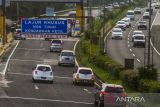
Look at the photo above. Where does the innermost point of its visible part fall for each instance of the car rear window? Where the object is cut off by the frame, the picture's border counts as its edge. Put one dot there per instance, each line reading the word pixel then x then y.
pixel 84 71
pixel 44 68
pixel 114 89
pixel 139 37
pixel 56 41
pixel 67 54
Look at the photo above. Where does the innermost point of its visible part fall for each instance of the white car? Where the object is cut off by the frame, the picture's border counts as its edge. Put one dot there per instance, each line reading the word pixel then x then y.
pixel 66 57
pixel 139 40
pixel 42 72
pixel 146 15
pixel 137 10
pixel 135 33
pixel 83 75
pixel 131 14
pixel 117 33
pixel 121 24
pixel 56 45
pixel 127 21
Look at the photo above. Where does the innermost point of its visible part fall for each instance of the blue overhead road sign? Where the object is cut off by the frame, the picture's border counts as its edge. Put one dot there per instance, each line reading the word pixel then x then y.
pixel 46 26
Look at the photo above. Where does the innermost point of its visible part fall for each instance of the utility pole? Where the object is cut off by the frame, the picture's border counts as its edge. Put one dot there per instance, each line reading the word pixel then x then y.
pixel 4 22
pixel 17 11
pixel 148 59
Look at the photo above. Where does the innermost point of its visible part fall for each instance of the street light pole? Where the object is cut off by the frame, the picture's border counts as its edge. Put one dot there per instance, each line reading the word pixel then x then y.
pixel 4 22
pixel 149 36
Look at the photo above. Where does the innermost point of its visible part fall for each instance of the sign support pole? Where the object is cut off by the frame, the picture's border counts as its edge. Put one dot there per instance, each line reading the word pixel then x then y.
pixel 4 22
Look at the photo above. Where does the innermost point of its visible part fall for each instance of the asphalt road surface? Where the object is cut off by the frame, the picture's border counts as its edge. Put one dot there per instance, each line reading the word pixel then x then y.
pixel 18 90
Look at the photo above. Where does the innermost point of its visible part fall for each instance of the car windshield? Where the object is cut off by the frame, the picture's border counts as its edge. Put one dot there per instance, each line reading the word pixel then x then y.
pixel 142 22
pixel 117 30
pixel 130 13
pixel 43 68
pixel 139 37
pixel 84 71
pixel 114 90
pixel 121 23
pixel 67 54
pixel 56 41
pixel 137 33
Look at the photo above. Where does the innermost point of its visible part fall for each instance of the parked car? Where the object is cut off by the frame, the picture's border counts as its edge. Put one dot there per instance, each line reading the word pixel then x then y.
pixel 131 14
pixel 146 15
pixel 107 95
pixel 117 33
pixel 127 21
pixel 121 24
pixel 135 33
pixel 18 35
pixel 56 45
pixel 83 75
pixel 42 72
pixel 142 25
pixel 139 40
pixel 66 57
pixel 137 10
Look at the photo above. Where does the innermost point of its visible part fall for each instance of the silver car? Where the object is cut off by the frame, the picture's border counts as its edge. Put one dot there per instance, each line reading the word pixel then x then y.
pixel 66 58
pixel 83 75
pixel 42 72
pixel 56 45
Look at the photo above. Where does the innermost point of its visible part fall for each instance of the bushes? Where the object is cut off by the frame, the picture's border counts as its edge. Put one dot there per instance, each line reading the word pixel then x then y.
pixel 144 73
pixel 130 78
pixel 151 86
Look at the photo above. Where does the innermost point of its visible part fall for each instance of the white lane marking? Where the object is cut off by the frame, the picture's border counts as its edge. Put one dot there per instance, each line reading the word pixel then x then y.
pixel 25 60
pixel 28 49
pixel 133 54
pixel 74 50
pixel 36 87
pixel 151 40
pixel 48 100
pixel 130 50
pixel 128 45
pixel 85 89
pixel 24 74
pixel 5 69
pixel 128 38
pixel 138 60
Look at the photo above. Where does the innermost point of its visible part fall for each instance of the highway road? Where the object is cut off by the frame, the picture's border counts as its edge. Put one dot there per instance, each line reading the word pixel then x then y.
pixel 118 50
pixel 17 89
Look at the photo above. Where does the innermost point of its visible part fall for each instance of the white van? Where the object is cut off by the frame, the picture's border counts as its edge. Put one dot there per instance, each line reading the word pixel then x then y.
pixel 130 14
pixel 127 21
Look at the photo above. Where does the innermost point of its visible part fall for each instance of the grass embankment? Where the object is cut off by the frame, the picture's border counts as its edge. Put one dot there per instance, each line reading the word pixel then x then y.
pixel 4 47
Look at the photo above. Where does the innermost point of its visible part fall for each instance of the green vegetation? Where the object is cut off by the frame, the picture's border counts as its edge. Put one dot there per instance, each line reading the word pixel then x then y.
pixel 88 52
pixel 32 9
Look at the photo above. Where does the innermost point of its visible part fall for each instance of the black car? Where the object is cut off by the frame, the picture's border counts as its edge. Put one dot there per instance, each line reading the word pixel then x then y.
pixel 142 25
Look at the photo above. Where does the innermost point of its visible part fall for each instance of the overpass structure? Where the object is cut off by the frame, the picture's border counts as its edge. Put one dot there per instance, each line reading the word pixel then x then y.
pixel 79 12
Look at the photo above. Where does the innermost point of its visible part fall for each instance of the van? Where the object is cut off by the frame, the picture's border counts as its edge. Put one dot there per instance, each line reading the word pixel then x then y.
pixel 130 14
pixel 127 21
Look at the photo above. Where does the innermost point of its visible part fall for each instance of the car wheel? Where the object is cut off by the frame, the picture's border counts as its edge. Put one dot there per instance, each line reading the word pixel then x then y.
pixel 51 82
pixel 95 102
pixel 100 104
pixel 74 83
pixel 33 80
pixel 50 50
pixel 59 64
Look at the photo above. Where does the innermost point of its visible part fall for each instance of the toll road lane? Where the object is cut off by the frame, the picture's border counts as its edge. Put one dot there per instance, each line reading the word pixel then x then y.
pixel 21 91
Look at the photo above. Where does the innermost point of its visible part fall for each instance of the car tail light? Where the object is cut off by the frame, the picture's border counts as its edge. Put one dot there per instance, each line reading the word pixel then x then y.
pixel 51 73
pixel 103 93
pixel 77 76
